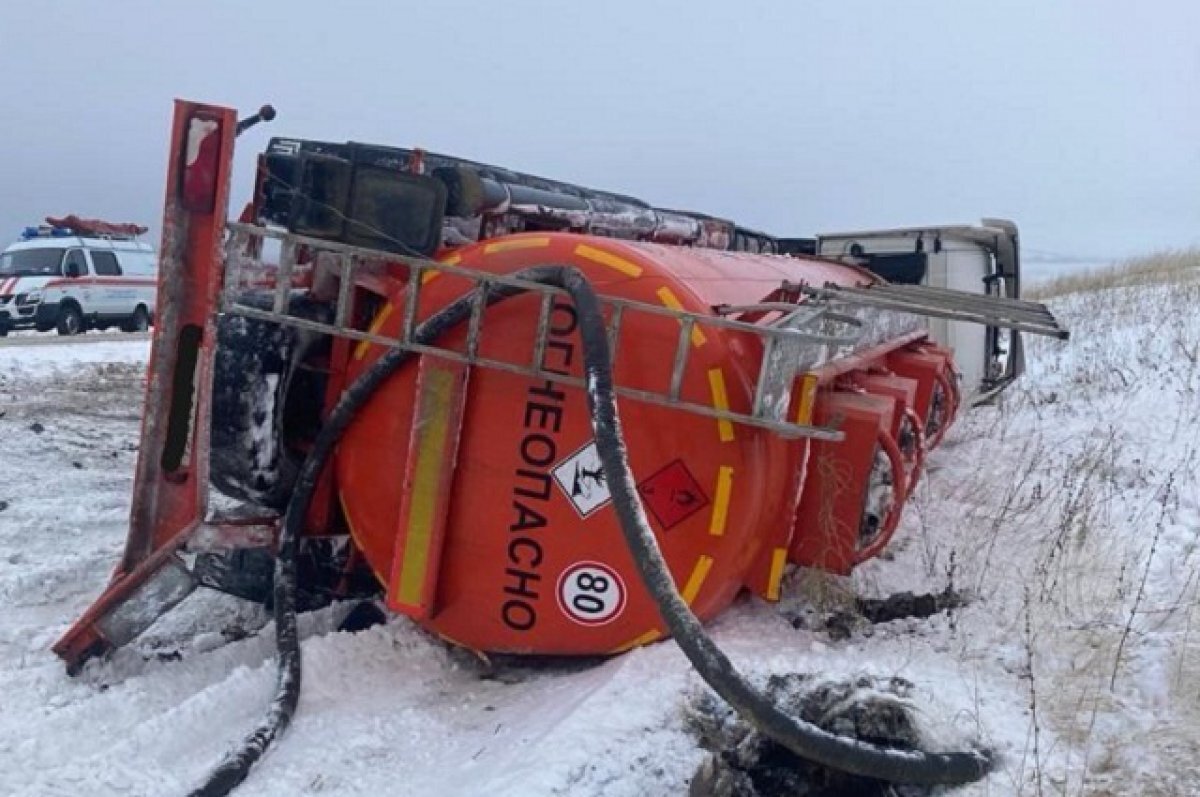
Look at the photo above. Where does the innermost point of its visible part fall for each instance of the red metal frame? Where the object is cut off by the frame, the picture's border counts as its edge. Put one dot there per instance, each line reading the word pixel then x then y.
pixel 900 492
pixel 831 506
pixel 904 390
pixel 878 372
pixel 930 366
pixel 171 479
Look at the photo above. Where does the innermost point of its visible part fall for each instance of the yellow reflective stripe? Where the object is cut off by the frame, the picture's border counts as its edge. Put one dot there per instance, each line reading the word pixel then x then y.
pixel 808 398
pixel 431 449
pixel 696 579
pixel 360 350
pixel 429 275
pixel 778 560
pixel 669 299
pixel 504 245
pixel 720 512
pixel 720 400
pixel 638 641
pixel 608 259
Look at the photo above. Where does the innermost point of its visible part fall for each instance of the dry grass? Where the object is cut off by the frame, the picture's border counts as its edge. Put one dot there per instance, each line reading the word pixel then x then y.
pixel 1167 266
pixel 1070 508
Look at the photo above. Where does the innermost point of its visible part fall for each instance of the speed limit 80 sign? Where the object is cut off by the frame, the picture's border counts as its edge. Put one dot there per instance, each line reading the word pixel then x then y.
pixel 591 593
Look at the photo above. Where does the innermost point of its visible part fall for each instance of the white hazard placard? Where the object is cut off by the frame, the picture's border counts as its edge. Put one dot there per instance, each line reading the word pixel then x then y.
pixel 581 478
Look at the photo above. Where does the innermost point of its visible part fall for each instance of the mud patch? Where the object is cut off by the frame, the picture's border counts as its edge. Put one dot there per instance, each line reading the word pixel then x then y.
pixel 743 763
pixel 862 613
pixel 907 604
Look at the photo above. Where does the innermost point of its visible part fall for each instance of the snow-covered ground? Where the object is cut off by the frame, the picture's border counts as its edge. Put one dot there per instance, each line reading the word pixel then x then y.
pixel 1068 513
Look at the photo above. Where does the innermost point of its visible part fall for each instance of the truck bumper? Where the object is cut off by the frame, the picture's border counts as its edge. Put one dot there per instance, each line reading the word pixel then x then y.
pixel 14 317
pixel 40 316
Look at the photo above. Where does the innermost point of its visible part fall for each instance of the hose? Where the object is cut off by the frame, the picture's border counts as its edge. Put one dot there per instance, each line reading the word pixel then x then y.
pixel 802 738
pixel 919 447
pixel 900 492
pixel 236 765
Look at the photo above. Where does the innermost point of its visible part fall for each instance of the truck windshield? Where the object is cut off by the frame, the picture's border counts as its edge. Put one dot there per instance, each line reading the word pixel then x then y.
pixel 32 263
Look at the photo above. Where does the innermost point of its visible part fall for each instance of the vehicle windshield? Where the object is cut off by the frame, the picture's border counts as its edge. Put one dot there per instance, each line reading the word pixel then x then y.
pixel 32 263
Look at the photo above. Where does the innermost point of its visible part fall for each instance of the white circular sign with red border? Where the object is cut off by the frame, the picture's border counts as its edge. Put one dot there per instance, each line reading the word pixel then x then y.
pixel 591 593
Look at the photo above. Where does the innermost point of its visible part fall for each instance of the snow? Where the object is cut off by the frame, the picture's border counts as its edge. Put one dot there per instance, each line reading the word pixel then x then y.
pixel 39 356
pixel 1067 513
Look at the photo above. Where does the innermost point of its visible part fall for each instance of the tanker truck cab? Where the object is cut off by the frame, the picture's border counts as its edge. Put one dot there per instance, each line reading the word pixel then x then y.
pixel 93 275
pixel 982 260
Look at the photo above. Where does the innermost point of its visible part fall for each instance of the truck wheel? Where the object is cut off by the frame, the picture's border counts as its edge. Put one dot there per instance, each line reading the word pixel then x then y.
pixel 262 400
pixel 138 322
pixel 321 574
pixel 70 320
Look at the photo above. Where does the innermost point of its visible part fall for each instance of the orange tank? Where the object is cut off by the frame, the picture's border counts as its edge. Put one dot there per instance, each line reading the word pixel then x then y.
pixel 477 498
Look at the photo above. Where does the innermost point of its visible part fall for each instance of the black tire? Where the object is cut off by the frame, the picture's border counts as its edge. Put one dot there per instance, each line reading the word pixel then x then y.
pixel 70 320
pixel 321 575
pixel 261 400
pixel 248 573
pixel 138 322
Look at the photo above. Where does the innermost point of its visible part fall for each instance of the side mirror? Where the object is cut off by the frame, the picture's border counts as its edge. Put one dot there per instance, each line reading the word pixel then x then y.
pixel 74 271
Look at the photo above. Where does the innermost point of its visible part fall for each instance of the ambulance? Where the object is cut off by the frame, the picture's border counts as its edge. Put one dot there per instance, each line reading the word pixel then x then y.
pixel 74 274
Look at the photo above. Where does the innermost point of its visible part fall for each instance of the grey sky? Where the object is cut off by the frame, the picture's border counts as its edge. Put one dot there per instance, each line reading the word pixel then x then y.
pixel 1080 120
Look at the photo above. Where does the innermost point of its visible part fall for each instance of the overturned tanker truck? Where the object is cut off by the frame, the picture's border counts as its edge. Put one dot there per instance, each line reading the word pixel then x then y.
pixel 406 367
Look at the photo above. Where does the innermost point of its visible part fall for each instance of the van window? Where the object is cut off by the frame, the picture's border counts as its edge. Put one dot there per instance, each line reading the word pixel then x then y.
pixel 31 263
pixel 106 264
pixel 139 263
pixel 75 257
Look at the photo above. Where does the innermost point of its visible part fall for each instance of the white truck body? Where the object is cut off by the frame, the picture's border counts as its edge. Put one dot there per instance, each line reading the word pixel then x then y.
pixel 981 259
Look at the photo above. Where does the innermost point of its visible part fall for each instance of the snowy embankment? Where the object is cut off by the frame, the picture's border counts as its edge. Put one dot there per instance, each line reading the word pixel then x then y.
pixel 1067 514
pixel 1070 512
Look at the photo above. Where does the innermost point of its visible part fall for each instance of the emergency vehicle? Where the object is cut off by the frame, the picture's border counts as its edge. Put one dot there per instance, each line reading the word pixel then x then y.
pixel 74 274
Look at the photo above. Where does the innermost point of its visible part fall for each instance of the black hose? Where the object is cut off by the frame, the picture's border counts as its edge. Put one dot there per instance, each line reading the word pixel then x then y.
pixel 237 763
pixel 802 738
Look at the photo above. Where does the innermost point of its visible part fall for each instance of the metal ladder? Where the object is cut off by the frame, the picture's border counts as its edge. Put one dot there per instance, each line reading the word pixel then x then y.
pixel 998 311
pixel 799 338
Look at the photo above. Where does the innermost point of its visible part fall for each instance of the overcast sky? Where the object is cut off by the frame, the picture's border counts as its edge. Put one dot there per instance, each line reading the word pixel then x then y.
pixel 1078 119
